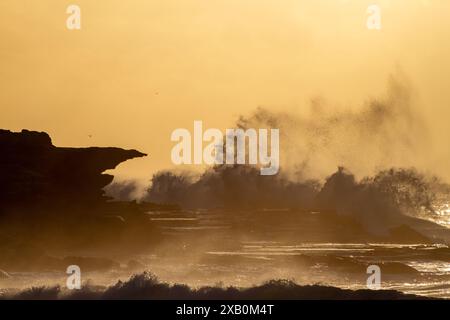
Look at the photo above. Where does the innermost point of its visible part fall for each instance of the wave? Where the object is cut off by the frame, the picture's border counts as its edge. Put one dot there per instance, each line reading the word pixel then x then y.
pixel 147 286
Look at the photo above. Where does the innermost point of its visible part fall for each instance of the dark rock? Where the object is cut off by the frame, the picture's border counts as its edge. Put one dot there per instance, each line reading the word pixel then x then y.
pixel 34 171
pixel 406 233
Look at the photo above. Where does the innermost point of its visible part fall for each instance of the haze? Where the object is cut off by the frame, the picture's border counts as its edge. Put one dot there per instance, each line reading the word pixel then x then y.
pixel 139 69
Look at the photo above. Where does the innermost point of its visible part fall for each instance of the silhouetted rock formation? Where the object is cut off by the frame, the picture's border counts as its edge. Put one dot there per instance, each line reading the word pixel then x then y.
pixel 34 171
pixel 53 198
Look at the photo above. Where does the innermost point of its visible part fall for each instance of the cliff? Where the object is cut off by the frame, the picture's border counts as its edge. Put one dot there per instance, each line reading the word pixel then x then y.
pixel 34 171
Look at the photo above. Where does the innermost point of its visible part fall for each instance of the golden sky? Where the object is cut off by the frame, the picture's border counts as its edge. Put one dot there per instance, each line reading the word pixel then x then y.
pixel 138 69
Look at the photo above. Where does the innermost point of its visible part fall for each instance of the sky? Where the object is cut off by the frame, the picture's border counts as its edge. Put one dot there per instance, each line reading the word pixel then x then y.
pixel 139 69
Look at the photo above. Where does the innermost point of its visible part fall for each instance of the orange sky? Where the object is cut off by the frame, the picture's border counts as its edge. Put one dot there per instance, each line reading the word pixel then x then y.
pixel 139 69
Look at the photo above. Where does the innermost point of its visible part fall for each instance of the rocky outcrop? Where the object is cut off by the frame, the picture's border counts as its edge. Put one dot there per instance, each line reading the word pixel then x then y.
pixel 34 171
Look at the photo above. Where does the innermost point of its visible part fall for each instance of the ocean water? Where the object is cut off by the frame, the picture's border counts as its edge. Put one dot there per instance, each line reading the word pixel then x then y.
pixel 432 277
pixel 245 249
pixel 341 265
pixel 282 245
